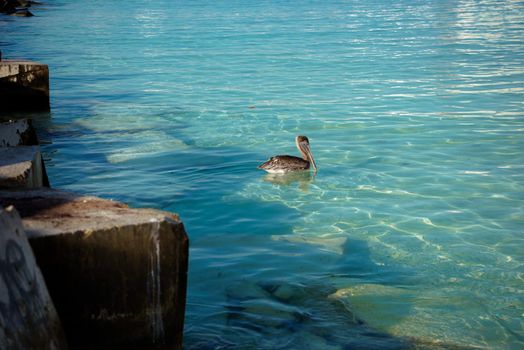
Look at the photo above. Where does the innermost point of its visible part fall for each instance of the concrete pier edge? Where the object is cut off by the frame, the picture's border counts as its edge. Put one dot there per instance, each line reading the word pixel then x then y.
pixel 117 276
pixel 24 86
pixel 28 318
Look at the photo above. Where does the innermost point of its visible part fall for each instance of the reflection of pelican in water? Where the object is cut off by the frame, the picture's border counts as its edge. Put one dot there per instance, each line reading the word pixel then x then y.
pixel 302 178
pixel 285 163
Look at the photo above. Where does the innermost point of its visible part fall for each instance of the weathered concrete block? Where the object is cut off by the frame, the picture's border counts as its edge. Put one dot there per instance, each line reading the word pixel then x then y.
pixel 17 133
pixel 21 13
pixel 24 85
pixel 28 318
pixel 21 167
pixel 117 275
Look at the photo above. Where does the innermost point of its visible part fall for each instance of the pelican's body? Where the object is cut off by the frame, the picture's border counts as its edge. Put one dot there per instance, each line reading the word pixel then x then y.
pixel 284 163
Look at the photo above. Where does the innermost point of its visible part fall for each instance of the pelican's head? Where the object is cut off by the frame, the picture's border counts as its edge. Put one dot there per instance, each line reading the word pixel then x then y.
pixel 303 146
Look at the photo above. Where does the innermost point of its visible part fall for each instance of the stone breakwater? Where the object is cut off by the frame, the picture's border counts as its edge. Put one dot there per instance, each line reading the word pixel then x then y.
pixel 112 277
pixel 28 318
pixel 24 86
pixel 18 8
pixel 117 276
pixel 21 164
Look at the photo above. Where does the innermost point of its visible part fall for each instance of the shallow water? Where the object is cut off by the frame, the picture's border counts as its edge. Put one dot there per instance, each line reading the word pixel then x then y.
pixel 411 232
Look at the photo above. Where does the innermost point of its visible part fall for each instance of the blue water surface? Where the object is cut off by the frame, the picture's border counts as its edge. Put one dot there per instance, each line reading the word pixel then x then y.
pixel 412 232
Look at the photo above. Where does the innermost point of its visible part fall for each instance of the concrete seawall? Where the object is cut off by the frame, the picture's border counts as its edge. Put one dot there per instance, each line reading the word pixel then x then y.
pixel 117 275
pixel 28 319
pixel 24 85
pixel 21 164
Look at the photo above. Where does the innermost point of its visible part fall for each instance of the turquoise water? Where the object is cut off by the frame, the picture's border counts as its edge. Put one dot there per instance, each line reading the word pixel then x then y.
pixel 411 233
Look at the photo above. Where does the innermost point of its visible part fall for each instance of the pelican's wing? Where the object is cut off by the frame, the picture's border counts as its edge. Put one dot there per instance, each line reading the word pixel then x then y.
pixel 284 163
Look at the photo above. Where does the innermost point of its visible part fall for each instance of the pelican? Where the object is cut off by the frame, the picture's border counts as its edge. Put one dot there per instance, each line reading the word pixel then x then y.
pixel 284 164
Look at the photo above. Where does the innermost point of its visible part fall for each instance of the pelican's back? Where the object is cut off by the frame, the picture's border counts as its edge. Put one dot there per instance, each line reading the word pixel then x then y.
pixel 284 163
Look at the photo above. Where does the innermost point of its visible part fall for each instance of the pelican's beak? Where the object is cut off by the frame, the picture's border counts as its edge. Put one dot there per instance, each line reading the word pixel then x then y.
pixel 306 148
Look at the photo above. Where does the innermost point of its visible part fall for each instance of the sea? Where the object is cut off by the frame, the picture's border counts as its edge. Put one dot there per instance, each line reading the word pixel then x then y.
pixel 411 233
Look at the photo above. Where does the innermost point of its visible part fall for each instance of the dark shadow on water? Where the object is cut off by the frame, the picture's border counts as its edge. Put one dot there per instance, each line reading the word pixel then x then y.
pixel 356 262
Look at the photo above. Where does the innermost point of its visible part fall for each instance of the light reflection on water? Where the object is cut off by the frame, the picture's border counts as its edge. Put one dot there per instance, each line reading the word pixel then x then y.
pixel 412 229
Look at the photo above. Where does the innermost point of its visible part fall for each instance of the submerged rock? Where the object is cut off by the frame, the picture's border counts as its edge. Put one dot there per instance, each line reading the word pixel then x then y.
pixel 379 305
pixel 387 309
pixel 246 291
pixel 286 292
pixel 301 315
pixel 331 243
pixel 310 341
pixel 152 143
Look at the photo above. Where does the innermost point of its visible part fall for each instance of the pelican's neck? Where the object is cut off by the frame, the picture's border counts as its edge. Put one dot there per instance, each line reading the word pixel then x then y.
pixel 304 154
